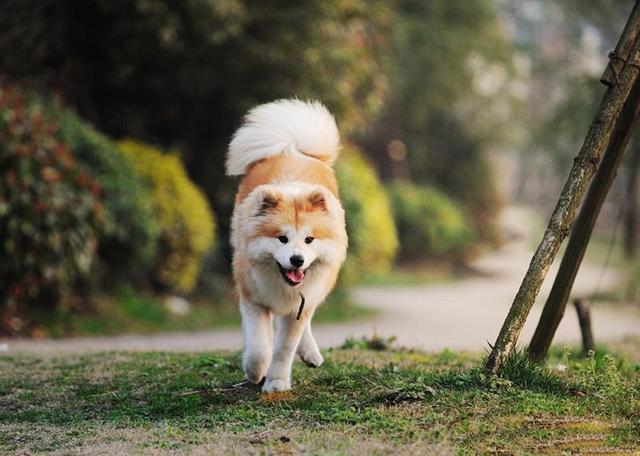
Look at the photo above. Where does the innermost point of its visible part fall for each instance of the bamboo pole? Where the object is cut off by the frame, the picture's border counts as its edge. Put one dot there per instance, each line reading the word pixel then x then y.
pixel 583 169
pixel 556 303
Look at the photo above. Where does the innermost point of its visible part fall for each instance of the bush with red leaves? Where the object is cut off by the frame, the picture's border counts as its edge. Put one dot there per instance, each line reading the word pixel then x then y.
pixel 50 212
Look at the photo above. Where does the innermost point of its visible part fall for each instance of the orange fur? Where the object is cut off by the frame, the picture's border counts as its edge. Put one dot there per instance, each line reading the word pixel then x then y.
pixel 297 213
pixel 287 168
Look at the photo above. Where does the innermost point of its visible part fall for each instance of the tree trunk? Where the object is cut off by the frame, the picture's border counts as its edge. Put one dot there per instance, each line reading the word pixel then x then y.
pixel 584 167
pixel 583 228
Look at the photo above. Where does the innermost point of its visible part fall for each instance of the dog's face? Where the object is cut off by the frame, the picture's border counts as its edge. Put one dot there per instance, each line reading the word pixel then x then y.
pixel 295 230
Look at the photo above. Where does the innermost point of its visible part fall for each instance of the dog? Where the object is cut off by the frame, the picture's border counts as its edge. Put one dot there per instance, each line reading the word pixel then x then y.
pixel 287 233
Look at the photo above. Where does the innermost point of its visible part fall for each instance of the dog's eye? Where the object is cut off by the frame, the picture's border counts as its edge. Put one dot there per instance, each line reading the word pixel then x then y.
pixel 308 240
pixel 283 239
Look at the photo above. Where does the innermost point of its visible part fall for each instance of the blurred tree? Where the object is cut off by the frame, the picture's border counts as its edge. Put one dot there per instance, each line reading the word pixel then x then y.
pixel 448 66
pixel 565 45
pixel 182 73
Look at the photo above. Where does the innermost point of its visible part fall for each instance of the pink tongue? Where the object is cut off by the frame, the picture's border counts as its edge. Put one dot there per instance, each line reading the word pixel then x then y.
pixel 295 275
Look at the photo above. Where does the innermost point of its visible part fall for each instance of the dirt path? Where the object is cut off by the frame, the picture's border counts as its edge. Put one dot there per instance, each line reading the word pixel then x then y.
pixel 464 314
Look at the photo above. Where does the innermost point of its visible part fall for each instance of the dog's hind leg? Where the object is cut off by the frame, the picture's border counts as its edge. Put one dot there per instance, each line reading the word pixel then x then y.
pixel 308 350
pixel 256 327
pixel 287 337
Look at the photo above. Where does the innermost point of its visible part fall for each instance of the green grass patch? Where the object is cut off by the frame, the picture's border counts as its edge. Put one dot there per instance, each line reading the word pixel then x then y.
pixel 413 275
pixel 361 401
pixel 128 311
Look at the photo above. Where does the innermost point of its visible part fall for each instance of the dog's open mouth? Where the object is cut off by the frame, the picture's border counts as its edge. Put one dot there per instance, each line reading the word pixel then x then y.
pixel 293 277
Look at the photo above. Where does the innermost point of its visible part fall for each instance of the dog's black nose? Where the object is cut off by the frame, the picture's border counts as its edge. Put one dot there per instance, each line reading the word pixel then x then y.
pixel 296 261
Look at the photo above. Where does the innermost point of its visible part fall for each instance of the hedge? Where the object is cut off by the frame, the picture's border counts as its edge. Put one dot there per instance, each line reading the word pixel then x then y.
pixel 373 240
pixel 185 221
pixel 430 224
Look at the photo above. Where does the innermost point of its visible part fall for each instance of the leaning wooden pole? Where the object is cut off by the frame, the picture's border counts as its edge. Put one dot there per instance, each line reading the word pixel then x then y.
pixel 584 167
pixel 583 228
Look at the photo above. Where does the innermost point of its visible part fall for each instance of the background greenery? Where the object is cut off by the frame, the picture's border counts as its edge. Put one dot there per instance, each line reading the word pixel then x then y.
pixel 130 231
pixel 429 96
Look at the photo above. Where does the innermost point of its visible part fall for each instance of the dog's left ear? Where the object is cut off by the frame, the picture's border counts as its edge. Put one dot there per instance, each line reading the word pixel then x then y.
pixel 317 201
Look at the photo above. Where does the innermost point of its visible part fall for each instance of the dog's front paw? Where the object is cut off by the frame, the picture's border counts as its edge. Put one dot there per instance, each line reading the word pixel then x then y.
pixel 255 365
pixel 276 384
pixel 311 358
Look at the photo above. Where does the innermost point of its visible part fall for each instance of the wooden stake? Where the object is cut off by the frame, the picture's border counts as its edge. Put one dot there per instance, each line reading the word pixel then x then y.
pixel 583 228
pixel 584 167
pixel 619 56
pixel 584 318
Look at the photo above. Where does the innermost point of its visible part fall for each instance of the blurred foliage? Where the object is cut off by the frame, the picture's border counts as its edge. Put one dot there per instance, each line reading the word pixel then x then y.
pixel 465 172
pixel 435 49
pixel 170 67
pixel 50 212
pixel 448 64
pixel 563 47
pixel 561 133
pixel 429 224
pixel 183 73
pixel 130 233
pixel 373 240
pixel 213 283
pixel 184 218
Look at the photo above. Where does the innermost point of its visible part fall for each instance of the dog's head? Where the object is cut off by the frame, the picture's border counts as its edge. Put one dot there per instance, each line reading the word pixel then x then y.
pixel 295 227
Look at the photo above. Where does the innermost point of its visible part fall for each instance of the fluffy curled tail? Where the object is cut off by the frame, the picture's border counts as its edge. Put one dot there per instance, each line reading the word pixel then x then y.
pixel 284 126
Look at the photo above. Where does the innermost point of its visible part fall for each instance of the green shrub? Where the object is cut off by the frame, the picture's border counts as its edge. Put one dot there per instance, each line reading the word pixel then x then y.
pixel 49 211
pixel 182 213
pixel 473 183
pixel 373 239
pixel 429 224
pixel 129 233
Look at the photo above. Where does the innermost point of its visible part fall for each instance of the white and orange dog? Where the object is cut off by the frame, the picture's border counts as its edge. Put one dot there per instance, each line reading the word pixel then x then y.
pixel 288 233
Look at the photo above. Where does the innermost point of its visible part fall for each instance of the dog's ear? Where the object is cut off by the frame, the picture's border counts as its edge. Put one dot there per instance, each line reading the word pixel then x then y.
pixel 267 202
pixel 317 201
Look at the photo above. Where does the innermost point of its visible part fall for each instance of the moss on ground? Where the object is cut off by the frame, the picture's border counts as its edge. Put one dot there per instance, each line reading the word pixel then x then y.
pixel 361 401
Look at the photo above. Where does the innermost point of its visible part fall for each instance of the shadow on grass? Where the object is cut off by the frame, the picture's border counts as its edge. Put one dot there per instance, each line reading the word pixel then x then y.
pixel 397 396
pixel 208 389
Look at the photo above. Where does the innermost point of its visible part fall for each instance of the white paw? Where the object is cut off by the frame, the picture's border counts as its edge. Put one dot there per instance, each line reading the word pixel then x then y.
pixel 312 359
pixel 255 365
pixel 276 384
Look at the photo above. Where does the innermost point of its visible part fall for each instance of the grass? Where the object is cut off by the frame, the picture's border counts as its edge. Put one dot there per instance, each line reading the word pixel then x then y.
pixel 127 311
pixel 361 401
pixel 413 275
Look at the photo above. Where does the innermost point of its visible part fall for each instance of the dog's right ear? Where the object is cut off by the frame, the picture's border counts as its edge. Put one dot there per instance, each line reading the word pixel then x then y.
pixel 267 202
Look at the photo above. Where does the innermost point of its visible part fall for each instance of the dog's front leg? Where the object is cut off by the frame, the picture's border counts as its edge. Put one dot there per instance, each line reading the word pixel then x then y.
pixel 287 337
pixel 308 350
pixel 256 327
